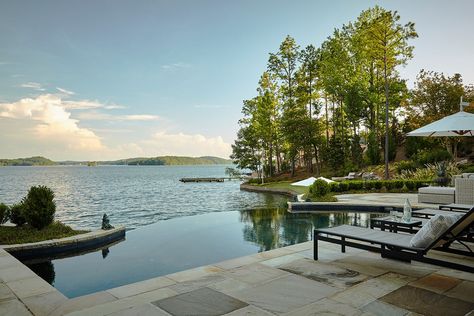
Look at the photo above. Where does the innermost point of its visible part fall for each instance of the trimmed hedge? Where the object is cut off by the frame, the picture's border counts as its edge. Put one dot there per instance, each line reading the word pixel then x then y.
pixel 371 185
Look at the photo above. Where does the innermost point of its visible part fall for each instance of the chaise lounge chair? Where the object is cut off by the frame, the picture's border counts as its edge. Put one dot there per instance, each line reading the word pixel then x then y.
pixel 456 207
pixel 399 246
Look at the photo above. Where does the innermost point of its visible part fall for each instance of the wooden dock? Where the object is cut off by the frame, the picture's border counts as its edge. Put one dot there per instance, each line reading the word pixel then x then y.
pixel 202 179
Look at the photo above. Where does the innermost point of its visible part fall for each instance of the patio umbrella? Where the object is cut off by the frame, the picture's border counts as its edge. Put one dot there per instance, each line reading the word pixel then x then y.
pixel 458 124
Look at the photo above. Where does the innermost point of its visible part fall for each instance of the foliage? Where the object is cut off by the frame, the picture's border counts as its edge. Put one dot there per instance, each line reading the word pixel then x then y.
pixel 375 185
pixel 319 188
pixel 4 213
pixel 373 150
pixel 32 161
pixel 26 234
pixel 431 156
pixel 429 172
pixel 39 206
pixel 17 214
pixel 405 165
pixel 232 172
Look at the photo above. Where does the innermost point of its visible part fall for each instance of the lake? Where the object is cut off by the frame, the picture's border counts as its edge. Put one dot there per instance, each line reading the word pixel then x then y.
pixel 133 196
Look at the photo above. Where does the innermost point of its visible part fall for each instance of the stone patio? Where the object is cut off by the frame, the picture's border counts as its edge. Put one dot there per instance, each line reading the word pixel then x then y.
pixel 283 281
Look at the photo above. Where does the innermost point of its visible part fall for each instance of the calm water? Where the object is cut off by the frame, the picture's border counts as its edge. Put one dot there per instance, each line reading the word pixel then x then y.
pixel 133 196
pixel 180 225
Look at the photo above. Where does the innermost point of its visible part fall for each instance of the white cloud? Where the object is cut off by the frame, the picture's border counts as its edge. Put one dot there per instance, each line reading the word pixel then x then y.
pixel 64 91
pixel 88 104
pixel 51 124
pixel 100 116
pixel 33 85
pixel 163 143
pixel 179 65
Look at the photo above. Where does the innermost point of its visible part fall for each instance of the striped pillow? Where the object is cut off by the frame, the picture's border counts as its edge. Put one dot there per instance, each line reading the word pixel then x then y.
pixel 433 229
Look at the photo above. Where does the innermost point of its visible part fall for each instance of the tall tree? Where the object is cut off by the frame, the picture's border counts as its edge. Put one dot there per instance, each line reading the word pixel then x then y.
pixel 387 42
pixel 283 65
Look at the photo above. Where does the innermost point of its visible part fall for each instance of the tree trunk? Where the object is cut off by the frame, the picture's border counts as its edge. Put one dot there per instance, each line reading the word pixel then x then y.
pixel 387 176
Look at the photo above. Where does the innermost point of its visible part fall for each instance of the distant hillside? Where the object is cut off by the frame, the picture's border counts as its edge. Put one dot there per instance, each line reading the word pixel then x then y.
pixel 32 161
pixel 169 161
pixel 153 161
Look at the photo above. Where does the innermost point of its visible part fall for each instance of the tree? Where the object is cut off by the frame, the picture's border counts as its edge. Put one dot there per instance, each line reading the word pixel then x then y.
pixel 283 66
pixel 387 42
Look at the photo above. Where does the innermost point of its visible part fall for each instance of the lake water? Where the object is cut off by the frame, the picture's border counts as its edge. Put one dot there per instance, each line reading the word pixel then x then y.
pixel 179 225
pixel 133 196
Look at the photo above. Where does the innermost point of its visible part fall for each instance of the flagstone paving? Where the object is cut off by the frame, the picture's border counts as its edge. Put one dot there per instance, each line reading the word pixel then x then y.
pixel 284 281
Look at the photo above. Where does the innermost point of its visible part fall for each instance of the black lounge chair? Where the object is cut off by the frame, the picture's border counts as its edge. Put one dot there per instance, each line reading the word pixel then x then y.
pixel 456 207
pixel 397 246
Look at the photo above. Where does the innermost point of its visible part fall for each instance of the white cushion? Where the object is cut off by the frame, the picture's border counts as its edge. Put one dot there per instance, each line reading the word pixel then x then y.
pixel 468 175
pixel 437 190
pixel 433 229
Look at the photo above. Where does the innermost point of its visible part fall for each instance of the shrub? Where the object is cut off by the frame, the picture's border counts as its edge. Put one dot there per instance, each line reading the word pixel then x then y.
pixel 343 186
pixel 319 188
pixel 405 188
pixel 17 214
pixel 405 165
pixel 4 213
pixel 378 184
pixel 39 206
pixel 434 155
pixel 334 187
pixel 355 185
pixel 468 169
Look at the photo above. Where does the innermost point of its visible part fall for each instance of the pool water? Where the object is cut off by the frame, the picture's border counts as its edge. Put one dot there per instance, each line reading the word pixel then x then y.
pixel 182 243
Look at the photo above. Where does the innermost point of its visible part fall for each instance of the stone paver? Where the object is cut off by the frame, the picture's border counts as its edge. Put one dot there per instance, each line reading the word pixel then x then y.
pixel 249 311
pixel 203 301
pixel 326 273
pixel 140 310
pixel 426 302
pixel 44 304
pixel 463 291
pixel 13 308
pixel 83 302
pixel 325 306
pixel 255 273
pixel 381 308
pixel 283 281
pixel 188 286
pixel 30 287
pixel 285 294
pixel 141 287
pixel 436 283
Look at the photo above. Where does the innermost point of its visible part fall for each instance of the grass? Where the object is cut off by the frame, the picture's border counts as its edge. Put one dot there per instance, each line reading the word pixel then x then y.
pixel 286 185
pixel 19 235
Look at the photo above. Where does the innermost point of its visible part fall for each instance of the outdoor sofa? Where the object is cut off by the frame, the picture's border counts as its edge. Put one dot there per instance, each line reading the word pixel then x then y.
pixel 398 246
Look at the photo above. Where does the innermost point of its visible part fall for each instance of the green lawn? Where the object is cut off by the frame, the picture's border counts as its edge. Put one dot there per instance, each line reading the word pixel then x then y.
pixel 18 235
pixel 286 185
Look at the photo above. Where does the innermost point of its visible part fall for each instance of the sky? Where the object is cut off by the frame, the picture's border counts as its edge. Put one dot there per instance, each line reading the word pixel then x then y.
pixel 100 79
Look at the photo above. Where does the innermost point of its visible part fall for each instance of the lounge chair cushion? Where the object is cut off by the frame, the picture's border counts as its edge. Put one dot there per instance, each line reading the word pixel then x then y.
pixel 433 229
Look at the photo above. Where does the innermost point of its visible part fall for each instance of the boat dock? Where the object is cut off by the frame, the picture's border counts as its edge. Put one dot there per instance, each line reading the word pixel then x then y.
pixel 202 179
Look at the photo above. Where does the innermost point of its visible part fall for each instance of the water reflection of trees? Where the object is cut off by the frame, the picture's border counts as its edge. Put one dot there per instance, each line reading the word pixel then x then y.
pixel 272 228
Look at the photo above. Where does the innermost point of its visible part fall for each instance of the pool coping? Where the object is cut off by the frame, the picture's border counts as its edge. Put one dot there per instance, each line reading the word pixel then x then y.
pixel 67 245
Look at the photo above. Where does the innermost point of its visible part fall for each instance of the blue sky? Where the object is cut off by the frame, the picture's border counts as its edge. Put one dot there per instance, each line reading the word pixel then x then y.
pixel 113 79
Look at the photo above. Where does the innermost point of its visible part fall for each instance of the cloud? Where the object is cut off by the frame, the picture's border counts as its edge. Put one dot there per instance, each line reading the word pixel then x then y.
pixel 100 116
pixel 50 123
pixel 179 65
pixel 88 104
pixel 33 85
pixel 64 91
pixel 163 143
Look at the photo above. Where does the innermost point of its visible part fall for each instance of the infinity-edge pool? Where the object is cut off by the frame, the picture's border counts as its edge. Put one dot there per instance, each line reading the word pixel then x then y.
pixel 183 243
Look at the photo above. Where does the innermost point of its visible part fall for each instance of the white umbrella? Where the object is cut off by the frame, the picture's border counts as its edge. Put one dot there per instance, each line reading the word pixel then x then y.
pixel 458 124
pixel 310 181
